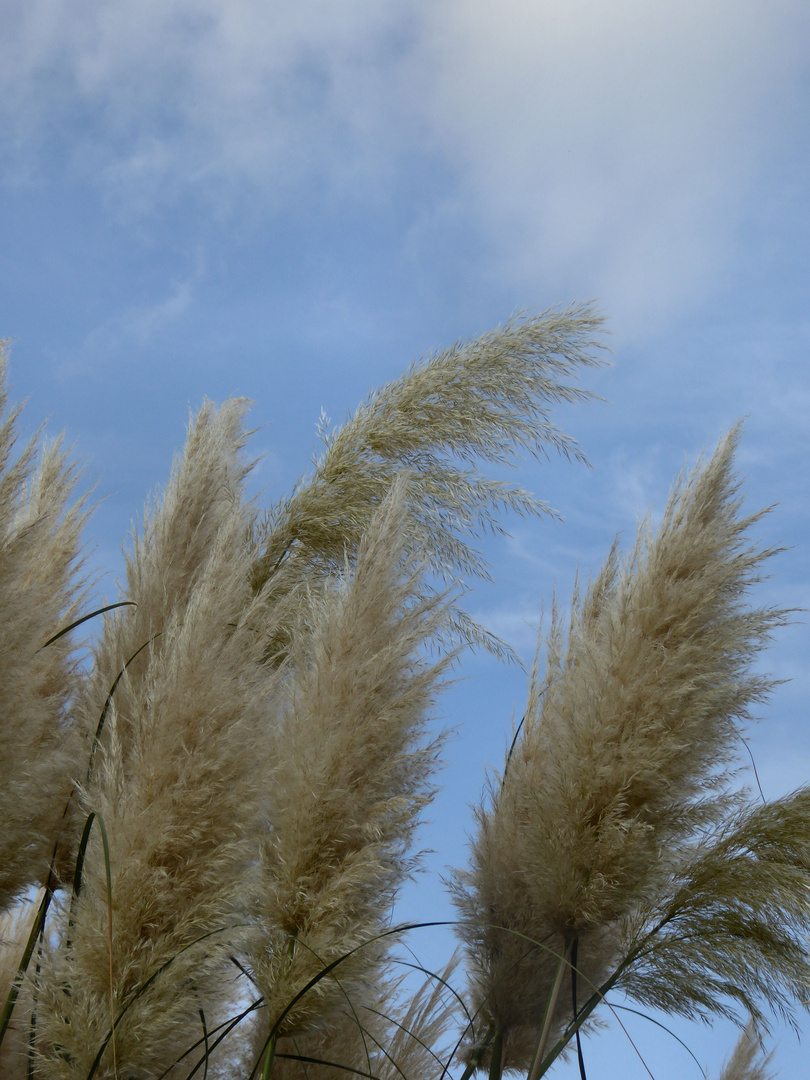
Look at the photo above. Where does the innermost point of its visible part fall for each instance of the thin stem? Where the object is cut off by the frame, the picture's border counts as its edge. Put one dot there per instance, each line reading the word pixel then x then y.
pixel 574 951
pixel 475 1060
pixel 496 1062
pixel 269 1058
pixel 551 1004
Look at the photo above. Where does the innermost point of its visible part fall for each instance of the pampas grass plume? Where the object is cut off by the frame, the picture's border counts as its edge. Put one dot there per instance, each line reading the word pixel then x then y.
pixel 40 530
pixel 621 754
pixel 205 830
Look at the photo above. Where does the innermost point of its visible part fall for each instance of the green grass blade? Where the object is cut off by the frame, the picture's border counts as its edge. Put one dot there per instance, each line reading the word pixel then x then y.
pixel 84 619
pixel 25 960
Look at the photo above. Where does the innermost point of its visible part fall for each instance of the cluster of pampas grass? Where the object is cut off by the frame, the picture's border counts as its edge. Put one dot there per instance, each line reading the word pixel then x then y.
pixel 206 828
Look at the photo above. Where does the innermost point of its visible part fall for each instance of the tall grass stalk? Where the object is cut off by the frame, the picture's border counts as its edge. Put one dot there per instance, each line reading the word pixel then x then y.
pixel 206 830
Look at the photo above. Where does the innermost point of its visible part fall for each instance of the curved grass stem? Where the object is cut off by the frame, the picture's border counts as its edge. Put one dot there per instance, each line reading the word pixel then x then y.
pixel 551 1004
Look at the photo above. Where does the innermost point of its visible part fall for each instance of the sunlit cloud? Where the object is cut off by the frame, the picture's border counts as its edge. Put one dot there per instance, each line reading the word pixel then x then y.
pixel 624 137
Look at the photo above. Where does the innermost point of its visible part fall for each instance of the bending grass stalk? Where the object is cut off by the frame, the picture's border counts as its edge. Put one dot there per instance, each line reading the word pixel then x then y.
pixel 77 884
pixel 629 1038
pixel 273 1035
pixel 473 1064
pixel 459 1000
pixel 36 930
pixel 108 703
pixel 108 875
pixel 596 998
pixel 580 1060
pixel 39 922
pixel 225 1028
pixel 366 1035
pixel 79 868
pixel 442 982
pixel 145 986
pixel 305 1060
pixel 669 1031
pixel 205 1038
pixel 491 1034
pixel 84 619
pixel 429 1050
pixel 402 1027
pixel 295 940
pixel 496 1061
pixel 269 1057
pixel 551 1004
pixel 319 1061
pixel 579 1016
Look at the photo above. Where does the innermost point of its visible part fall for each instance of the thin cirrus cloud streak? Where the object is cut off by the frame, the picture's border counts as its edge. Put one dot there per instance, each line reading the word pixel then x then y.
pixel 130 327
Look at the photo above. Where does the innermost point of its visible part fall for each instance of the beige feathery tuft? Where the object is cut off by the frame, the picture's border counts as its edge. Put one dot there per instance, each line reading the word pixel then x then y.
pixel 224 807
pixel 395 1031
pixel 39 596
pixel 16 924
pixel 353 772
pixel 625 739
pixel 484 399
pixel 416 1042
pixel 179 779
pixel 733 924
pixel 748 1060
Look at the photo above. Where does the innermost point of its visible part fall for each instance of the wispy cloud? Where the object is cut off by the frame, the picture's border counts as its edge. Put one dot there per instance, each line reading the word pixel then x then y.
pixel 621 138
pixel 166 98
pixel 129 329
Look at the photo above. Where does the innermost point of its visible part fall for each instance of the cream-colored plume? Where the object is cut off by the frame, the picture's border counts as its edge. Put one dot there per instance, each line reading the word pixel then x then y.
pixel 354 765
pixel 39 596
pixel 485 399
pixel 748 1060
pixel 624 741
pixel 178 777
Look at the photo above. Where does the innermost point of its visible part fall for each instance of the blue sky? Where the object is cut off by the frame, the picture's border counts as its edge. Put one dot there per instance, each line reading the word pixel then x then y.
pixel 293 201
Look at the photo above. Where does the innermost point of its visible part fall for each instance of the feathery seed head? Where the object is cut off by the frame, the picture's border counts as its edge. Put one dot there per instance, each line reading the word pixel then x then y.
pixel 352 775
pixel 625 738
pixel 179 780
pixel 485 399
pixel 748 1060
pixel 39 596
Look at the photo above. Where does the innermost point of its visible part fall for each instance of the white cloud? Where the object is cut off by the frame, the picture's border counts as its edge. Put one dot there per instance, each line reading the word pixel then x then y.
pixel 163 95
pixel 605 148
pixel 617 136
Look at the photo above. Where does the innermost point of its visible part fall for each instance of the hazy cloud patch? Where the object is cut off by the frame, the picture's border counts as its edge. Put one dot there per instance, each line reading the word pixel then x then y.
pixel 584 148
